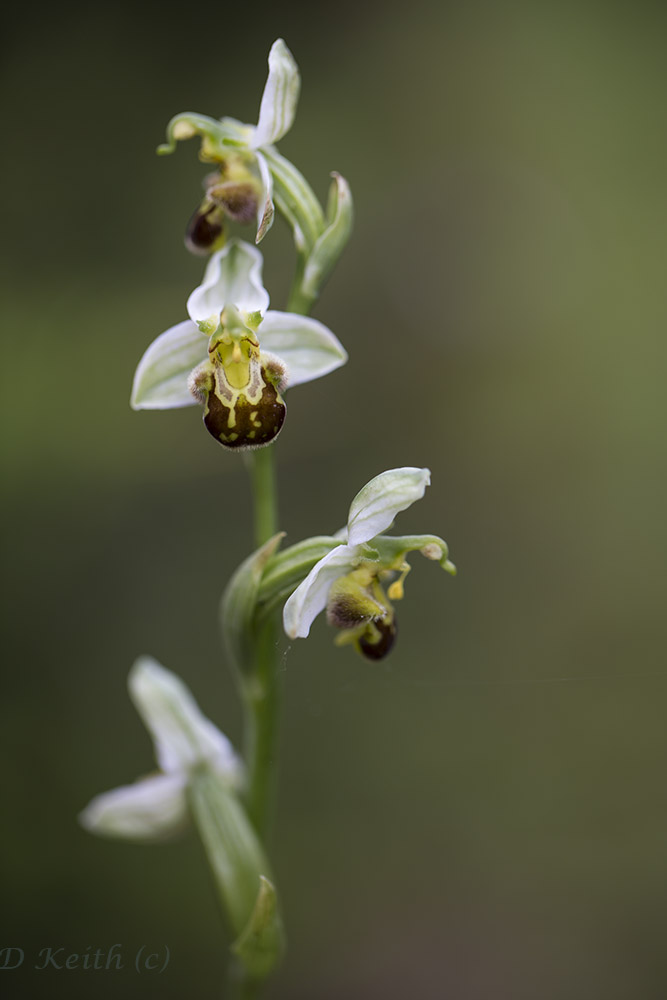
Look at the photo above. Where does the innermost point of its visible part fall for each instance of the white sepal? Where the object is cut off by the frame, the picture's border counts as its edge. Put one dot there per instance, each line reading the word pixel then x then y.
pixel 233 277
pixel 161 379
pixel 154 808
pixel 377 504
pixel 310 597
pixel 183 736
pixel 280 97
pixel 308 347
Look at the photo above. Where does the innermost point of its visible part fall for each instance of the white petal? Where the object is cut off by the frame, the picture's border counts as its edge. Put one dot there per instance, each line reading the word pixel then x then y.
pixel 280 97
pixel 151 809
pixel 161 378
pixel 233 277
pixel 310 597
pixel 265 209
pixel 308 347
pixel 377 504
pixel 183 737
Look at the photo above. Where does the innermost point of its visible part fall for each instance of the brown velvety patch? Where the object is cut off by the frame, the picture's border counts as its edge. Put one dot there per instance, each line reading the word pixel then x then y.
pixel 255 423
pixel 238 200
pixel 204 229
pixel 378 650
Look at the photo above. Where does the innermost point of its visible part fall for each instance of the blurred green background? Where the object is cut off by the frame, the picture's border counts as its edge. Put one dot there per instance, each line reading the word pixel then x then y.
pixel 484 813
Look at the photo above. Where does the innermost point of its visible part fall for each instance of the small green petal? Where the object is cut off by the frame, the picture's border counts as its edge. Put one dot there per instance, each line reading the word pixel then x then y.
pixel 215 135
pixel 392 550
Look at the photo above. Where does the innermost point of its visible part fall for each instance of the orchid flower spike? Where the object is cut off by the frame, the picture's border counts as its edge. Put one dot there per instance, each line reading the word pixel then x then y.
pixel 241 187
pixel 349 582
pixel 156 807
pixel 234 355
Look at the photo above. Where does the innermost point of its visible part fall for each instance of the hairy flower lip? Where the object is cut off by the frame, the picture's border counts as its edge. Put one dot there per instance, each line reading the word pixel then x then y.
pixel 343 613
pixel 232 291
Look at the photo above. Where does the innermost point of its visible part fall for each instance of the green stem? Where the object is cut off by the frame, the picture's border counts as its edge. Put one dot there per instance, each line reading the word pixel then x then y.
pixel 262 709
pixel 265 494
pixel 239 986
pixel 299 301
pixel 261 689
pixel 260 693
pixel 260 686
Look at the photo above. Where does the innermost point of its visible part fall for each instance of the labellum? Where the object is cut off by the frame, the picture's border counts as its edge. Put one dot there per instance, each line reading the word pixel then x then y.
pixel 204 231
pixel 359 607
pixel 237 198
pixel 240 391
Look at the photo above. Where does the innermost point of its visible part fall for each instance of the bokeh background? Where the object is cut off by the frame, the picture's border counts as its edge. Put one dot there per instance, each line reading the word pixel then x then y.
pixel 484 813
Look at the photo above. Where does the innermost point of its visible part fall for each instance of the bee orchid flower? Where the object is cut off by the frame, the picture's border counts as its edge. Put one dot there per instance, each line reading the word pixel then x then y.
pixel 349 581
pixel 156 807
pixel 242 185
pixel 234 355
